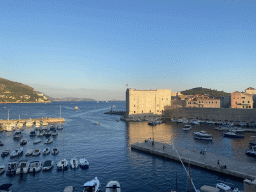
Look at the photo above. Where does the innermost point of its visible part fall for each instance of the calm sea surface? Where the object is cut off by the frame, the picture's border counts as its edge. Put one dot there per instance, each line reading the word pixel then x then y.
pixel 107 148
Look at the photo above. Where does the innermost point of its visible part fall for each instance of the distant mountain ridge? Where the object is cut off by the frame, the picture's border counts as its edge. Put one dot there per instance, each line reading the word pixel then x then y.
pixel 14 92
pixel 72 99
pixel 200 90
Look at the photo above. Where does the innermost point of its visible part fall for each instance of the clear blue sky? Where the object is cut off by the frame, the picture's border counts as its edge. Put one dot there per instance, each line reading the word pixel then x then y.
pixel 83 48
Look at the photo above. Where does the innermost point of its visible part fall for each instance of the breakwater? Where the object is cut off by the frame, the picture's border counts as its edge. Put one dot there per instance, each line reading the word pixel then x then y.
pixel 43 119
pixel 209 161
pixel 115 112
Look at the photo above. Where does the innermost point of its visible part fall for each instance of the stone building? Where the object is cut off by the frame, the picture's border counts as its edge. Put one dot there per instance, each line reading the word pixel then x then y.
pixel 144 103
pixel 252 92
pixel 205 101
pixel 241 100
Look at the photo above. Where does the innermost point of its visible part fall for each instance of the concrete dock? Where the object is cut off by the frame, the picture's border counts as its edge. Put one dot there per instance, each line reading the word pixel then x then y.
pixel 240 169
pixel 45 119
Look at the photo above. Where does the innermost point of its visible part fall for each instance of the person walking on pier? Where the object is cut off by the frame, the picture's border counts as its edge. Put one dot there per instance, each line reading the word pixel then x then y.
pixel 218 162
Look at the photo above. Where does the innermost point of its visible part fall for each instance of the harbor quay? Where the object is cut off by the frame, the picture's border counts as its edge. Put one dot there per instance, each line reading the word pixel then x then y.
pixel 203 159
pixel 43 119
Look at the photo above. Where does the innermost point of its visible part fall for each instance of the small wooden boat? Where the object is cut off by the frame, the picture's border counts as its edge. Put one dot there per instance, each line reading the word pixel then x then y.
pixel 96 123
pixel 48 141
pixel 46 151
pixel 74 163
pixel 55 151
pixel 36 152
pixel 37 141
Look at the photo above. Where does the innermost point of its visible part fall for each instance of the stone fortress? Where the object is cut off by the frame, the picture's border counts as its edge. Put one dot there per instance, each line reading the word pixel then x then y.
pixel 162 103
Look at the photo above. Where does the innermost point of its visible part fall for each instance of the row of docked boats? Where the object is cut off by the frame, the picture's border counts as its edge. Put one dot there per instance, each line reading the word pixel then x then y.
pixel 23 166
pixel 74 163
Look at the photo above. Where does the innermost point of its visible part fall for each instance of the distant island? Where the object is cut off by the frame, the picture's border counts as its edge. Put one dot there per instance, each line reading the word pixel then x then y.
pixel 14 92
pixel 200 90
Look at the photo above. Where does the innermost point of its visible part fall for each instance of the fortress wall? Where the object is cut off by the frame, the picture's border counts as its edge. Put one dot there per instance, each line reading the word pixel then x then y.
pixel 229 114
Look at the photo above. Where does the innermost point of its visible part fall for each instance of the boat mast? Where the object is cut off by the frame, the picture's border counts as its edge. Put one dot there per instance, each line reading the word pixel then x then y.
pixel 60 111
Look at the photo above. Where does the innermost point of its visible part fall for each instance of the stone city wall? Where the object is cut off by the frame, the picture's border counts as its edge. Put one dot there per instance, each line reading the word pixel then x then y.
pixel 229 114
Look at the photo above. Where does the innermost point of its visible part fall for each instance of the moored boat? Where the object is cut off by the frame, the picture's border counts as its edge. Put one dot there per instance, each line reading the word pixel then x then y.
pixel 1 143
pixel 83 163
pixel 36 152
pixel 186 127
pixel 47 133
pixel 62 164
pixel 5 153
pixel 2 169
pixel 32 133
pixel 11 169
pixel 48 164
pixel 92 185
pixel 23 166
pixel 46 151
pixel 35 166
pixel 225 188
pixel 251 152
pixel 74 163
pixel 113 186
pixel 23 142
pixel 6 187
pixel 202 135
pixel 55 151
pixel 16 152
pixel 232 135
pixel 48 141
pixel 54 132
pixel 36 141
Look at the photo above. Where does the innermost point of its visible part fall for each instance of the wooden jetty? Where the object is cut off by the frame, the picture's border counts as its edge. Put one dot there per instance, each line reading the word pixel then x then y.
pixel 240 169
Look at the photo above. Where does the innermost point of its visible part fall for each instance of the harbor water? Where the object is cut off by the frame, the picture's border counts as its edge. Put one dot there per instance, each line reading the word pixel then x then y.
pixel 107 148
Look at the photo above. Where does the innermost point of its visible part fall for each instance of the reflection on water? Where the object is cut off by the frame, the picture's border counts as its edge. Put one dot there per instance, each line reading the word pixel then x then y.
pixel 172 133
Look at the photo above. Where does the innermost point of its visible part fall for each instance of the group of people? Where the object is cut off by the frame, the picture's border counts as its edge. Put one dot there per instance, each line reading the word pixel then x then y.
pixel 221 166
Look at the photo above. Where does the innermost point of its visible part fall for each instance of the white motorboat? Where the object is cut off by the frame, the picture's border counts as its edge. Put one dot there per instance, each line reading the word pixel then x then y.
pixel 23 166
pixel 186 127
pixel 9 127
pixel 19 125
pixel 11 169
pixel 252 140
pixel 48 141
pixel 202 135
pixel 55 151
pixel 232 135
pixel 47 165
pixel 113 186
pixel 46 151
pixel 29 152
pixel 37 124
pixel 92 185
pixel 36 152
pixel 2 169
pixel 195 122
pixel 62 164
pixel 35 166
pixel 74 163
pixel 179 121
pixel 83 163
pixel 45 124
pixel 251 152
pixel 29 124
pixel 225 188
pixel 36 141
pixel 60 127
pixel 16 152
pixel 173 120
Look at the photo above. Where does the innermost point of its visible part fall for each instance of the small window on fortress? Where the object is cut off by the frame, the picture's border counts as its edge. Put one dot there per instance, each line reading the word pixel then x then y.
pixel 157 105
pixel 216 102
pixel 134 105
pixel 142 112
pixel 134 112
pixel 150 111
pixel 157 110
